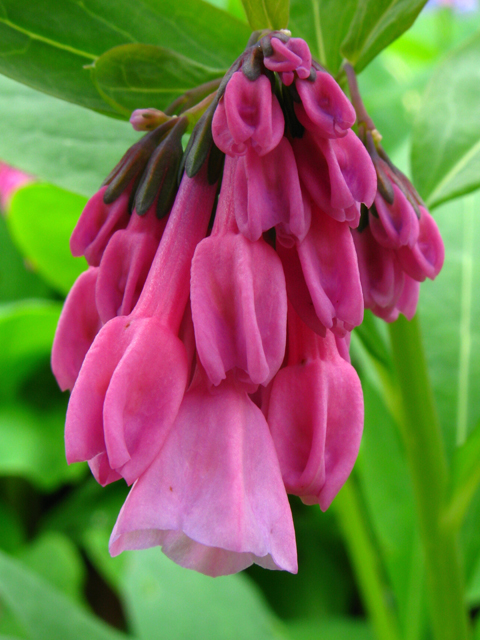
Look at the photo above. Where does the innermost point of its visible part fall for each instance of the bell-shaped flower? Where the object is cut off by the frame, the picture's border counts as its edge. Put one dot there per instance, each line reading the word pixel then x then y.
pixel 337 173
pixel 125 264
pixel 213 498
pixel 239 301
pixel 78 325
pixel 323 282
pixel 248 116
pixel 395 225
pixel 268 194
pixel 315 414
pixel 289 58
pixel 97 224
pixel 134 376
pixel 324 108
pixel 425 258
pixel 387 290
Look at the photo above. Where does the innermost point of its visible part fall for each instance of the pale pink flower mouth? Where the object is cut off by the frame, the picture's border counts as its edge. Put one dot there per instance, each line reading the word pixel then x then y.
pixel 206 347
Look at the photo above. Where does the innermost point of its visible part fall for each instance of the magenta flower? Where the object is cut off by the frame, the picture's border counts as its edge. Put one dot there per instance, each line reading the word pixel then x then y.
pixel 97 224
pixel 324 109
pixel 249 116
pixel 337 173
pixel 323 281
pixel 239 301
pixel 213 498
pixel 315 414
pixel 289 58
pixel 126 397
pixel 78 325
pixel 396 224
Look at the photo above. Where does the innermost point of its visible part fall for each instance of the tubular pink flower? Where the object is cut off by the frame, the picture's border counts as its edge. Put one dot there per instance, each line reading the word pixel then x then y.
pixel 125 265
pixel 97 224
pixel 268 194
pixel 239 301
pixel 337 173
pixel 325 109
pixel 289 58
pixel 315 414
pixel 248 116
pixel 425 258
pixel 134 376
pixel 327 263
pixel 397 223
pixel 213 498
pixel 78 325
pixel 380 272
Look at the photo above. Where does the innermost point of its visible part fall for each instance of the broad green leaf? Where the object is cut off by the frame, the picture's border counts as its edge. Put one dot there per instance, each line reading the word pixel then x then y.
pixel 375 25
pixel 54 557
pixel 17 281
pixel 266 14
pixel 330 629
pixel 26 336
pixel 71 147
pixel 446 137
pixel 139 75
pixel 44 611
pixel 159 594
pixel 323 24
pixel 465 478
pixel 41 219
pixel 49 55
pixel 449 311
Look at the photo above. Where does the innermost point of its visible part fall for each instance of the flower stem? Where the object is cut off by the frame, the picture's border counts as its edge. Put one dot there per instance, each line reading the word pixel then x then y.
pixel 365 560
pixel 428 468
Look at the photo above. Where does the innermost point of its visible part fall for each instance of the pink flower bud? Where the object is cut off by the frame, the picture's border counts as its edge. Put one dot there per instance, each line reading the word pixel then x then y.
pixel 397 223
pixel 248 116
pixel 289 58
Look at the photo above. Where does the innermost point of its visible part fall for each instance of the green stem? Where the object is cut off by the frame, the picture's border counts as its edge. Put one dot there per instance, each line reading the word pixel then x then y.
pixel 428 468
pixel 366 562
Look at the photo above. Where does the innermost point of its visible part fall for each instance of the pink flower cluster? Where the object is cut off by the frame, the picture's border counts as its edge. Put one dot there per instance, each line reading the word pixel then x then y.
pixel 209 365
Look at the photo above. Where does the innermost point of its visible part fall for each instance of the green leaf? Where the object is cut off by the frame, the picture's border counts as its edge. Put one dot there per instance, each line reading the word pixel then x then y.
pixel 26 336
pixel 329 629
pixel 45 612
pixel 324 25
pixel 139 75
pixel 69 146
pixel 159 594
pixel 41 219
pixel 449 310
pixel 266 14
pixel 446 136
pixel 16 280
pixel 375 25
pixel 54 557
pixel 48 55
pixel 465 477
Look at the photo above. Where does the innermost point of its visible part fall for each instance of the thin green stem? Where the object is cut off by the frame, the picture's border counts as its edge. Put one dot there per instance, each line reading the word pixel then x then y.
pixel 366 562
pixel 428 468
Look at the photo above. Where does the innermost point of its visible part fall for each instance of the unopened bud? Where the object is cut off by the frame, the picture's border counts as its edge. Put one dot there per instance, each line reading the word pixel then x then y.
pixel 147 119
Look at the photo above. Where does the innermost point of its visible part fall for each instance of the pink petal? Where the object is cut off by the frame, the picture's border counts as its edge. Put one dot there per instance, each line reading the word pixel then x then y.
pixel 249 115
pixel 239 307
pixel 78 325
pixel 425 258
pixel 397 223
pixel 97 224
pixel 268 194
pixel 315 414
pixel 126 396
pixel 125 265
pixel 325 109
pixel 214 497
